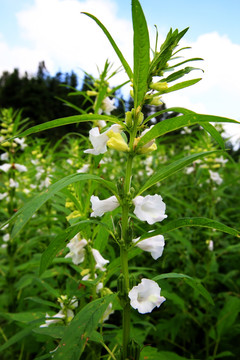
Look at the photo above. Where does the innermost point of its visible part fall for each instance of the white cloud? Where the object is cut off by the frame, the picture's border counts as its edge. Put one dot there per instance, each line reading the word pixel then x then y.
pixel 67 39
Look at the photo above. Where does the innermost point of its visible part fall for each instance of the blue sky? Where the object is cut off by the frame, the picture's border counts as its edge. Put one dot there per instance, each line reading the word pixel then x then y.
pixel 54 31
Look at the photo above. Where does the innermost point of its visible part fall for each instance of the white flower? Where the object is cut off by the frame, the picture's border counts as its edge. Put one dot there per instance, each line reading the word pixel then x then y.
pixel 107 106
pixel 77 251
pixel 101 206
pixel 99 141
pixel 58 317
pixel 4 156
pixel 100 261
pixel 6 237
pixel 189 170
pixel 221 160
pixel 83 169
pixel 13 183
pixel 101 123
pixel 69 161
pixel 40 171
pixel 20 168
pixel 150 208
pixel 107 313
pixel 3 195
pixel 99 285
pixel 154 245
pixel 210 245
pixel 45 183
pixel 20 142
pixel 5 167
pixel 215 177
pixel 146 296
pixel 186 130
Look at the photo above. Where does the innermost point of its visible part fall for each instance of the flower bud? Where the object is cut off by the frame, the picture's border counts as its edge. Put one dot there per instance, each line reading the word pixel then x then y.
pixel 159 86
pixel 129 119
pixel 91 93
pixel 140 118
pixel 116 141
pixel 156 101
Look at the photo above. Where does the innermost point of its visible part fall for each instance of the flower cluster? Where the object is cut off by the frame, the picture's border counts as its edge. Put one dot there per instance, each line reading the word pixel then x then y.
pixel 65 315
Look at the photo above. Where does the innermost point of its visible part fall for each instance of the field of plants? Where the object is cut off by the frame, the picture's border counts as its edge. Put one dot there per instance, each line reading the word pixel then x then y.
pixel 123 244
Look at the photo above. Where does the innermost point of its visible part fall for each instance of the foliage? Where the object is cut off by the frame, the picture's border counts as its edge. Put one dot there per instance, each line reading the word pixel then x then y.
pixel 60 298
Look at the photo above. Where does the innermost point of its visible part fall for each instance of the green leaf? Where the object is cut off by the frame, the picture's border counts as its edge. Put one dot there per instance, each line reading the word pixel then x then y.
pixel 151 353
pixel 228 315
pixel 178 74
pixel 114 45
pixel 141 52
pixel 56 332
pixel 194 283
pixel 171 169
pixel 66 121
pixel 81 329
pixel 195 221
pixel 178 122
pixel 20 335
pixel 181 85
pixel 214 134
pixel 27 211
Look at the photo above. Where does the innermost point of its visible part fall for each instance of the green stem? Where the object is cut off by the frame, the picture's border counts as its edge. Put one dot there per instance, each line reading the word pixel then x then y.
pixel 124 255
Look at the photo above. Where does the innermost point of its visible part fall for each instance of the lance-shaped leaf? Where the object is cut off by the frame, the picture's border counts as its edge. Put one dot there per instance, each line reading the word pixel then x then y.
pixel 81 328
pixel 178 122
pixel 27 211
pixel 68 120
pixel 171 169
pixel 141 53
pixel 194 283
pixel 195 221
pixel 114 45
pixel 181 85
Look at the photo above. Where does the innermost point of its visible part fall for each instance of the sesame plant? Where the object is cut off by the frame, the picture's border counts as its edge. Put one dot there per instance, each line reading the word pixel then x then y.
pixel 116 203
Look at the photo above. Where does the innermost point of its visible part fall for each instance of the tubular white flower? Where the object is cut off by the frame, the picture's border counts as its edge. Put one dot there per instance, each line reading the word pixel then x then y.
pixel 20 168
pixel 3 195
pixel 4 156
pixel 6 237
pixel 101 206
pixel 107 106
pixel 154 245
pixel 20 142
pixel 83 169
pixel 215 177
pixel 100 261
pixel 146 296
pixel 58 317
pixel 99 141
pixel 5 167
pixel 150 208
pixel 77 251
pixel 13 183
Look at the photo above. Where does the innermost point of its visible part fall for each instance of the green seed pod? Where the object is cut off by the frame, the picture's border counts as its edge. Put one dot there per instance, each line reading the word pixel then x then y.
pixel 132 281
pixel 133 350
pixel 121 287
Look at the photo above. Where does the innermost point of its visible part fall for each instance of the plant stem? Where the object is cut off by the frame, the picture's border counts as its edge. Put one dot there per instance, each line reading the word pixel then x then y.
pixel 124 255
